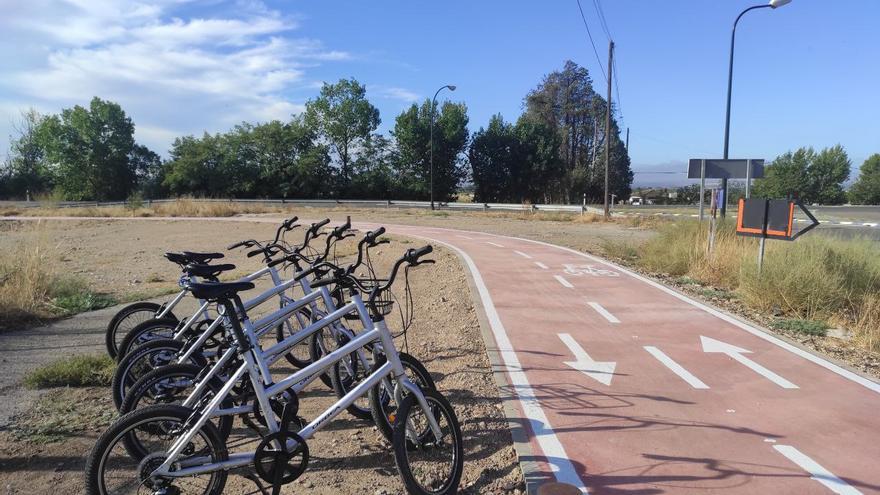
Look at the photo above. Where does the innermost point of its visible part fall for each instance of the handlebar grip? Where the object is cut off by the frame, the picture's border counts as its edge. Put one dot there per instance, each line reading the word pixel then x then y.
pixel 236 245
pixel 378 232
pixel 255 252
pixel 322 282
pixel 412 256
pixel 287 223
pixel 320 224
pixel 277 262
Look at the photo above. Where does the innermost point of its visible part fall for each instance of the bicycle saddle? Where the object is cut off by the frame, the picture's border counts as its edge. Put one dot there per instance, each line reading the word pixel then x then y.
pixel 202 257
pixel 207 271
pixel 212 291
pixel 188 257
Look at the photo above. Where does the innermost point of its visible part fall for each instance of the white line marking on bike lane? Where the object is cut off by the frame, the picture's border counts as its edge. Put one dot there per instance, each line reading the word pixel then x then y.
pixel 817 472
pixel 541 265
pixel 494 244
pixel 676 368
pixel 524 255
pixel 565 283
pixel 604 312
pixel 466 237
pixel 554 452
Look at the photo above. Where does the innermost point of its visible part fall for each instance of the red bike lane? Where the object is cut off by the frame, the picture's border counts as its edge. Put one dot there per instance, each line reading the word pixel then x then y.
pixel 624 386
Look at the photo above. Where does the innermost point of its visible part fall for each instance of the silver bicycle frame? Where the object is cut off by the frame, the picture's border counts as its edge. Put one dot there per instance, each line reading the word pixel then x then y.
pixel 254 369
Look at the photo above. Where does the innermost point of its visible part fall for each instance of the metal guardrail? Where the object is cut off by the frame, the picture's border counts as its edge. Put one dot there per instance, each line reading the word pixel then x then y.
pixel 337 202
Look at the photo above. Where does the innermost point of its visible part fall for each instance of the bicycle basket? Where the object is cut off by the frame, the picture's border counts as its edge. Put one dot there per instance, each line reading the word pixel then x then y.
pixel 384 301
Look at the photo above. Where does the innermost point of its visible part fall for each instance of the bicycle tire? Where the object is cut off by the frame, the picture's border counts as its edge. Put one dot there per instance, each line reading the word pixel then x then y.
pixel 403 445
pixel 378 404
pixel 112 339
pixel 137 335
pixel 96 460
pixel 136 392
pixel 124 376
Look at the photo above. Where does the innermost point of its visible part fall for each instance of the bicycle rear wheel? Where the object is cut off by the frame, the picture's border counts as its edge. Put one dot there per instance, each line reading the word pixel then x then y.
pixel 299 355
pixel 126 319
pixel 428 465
pixel 134 446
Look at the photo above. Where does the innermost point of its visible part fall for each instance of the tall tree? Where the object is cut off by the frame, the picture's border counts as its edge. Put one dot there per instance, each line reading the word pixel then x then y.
pixel 26 169
pixel 345 118
pixel 93 151
pixel 374 174
pixel 566 102
pixel 866 190
pixel 413 138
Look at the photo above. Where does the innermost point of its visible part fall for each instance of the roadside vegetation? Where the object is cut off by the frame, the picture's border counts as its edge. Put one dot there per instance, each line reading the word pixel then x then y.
pixel 180 207
pixel 75 371
pixel 33 288
pixel 63 413
pixel 808 286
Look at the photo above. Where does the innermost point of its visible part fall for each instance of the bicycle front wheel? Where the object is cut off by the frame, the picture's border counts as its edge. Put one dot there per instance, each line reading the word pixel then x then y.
pixel 136 444
pixel 428 465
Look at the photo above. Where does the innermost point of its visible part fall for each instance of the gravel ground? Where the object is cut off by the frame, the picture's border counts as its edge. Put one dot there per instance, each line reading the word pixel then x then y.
pixel 347 457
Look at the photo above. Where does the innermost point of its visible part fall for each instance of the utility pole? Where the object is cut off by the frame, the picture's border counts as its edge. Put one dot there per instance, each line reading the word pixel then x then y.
pixel 627 139
pixel 608 133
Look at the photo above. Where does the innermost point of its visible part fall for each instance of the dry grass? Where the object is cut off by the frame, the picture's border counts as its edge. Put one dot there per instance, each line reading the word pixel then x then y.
pixel 816 278
pixel 32 288
pixel 26 275
pixel 181 207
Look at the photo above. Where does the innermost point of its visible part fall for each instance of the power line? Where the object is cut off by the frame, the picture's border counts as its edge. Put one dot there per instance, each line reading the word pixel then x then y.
pixel 590 35
pixel 602 21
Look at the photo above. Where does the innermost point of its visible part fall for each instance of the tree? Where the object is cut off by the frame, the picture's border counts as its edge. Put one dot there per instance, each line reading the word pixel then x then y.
pixel 412 135
pixel 92 151
pixel 345 118
pixel 566 102
pixel 26 170
pixel 827 173
pixel 806 175
pixel 493 155
pixel 866 190
pixel 374 174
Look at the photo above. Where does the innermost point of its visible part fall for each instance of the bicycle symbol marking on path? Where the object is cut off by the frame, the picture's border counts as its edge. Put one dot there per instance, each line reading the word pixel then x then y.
pixel 581 270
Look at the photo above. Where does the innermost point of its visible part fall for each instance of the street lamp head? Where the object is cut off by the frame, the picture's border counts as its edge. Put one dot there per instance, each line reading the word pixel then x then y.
pixel 778 3
pixel 452 86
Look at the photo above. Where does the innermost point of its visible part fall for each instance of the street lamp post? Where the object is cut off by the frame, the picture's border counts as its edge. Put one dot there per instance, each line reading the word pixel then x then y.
pixel 433 105
pixel 773 4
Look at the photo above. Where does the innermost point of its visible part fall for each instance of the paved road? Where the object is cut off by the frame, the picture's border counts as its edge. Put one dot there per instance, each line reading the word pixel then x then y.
pixel 619 385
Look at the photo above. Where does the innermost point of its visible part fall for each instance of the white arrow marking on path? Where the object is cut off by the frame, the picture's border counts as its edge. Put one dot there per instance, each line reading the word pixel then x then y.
pixel 712 345
pixel 676 368
pixel 604 312
pixel 817 472
pixel 602 372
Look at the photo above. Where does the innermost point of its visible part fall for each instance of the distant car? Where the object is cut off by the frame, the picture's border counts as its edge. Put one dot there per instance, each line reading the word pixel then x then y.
pixel 636 201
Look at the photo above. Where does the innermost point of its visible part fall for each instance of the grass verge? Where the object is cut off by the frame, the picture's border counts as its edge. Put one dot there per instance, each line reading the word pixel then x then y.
pixel 76 371
pixel 816 281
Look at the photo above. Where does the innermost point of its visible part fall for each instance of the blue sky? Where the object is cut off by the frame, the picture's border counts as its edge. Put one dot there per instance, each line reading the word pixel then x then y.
pixel 806 74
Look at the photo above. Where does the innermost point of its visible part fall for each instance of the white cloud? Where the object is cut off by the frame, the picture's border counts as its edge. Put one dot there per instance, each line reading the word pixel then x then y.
pixel 394 93
pixel 173 72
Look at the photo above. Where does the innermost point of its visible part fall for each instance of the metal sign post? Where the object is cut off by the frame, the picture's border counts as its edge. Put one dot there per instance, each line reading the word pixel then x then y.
pixel 702 185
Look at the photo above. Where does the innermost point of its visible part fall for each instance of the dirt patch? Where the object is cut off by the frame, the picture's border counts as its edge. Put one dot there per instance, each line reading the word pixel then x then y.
pixel 347 457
